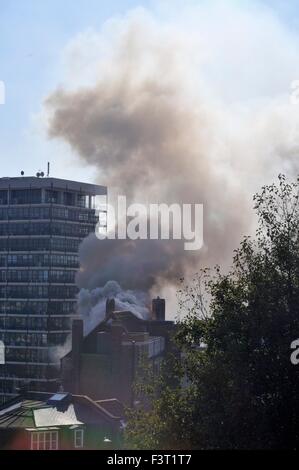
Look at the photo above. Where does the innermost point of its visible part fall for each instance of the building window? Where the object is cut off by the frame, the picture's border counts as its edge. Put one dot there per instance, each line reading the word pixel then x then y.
pixel 2 353
pixel 79 438
pixel 44 440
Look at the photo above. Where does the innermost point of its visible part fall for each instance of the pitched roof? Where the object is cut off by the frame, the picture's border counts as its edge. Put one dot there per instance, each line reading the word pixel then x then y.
pixel 113 406
pixel 26 413
pixel 51 416
pixel 19 415
pixel 130 321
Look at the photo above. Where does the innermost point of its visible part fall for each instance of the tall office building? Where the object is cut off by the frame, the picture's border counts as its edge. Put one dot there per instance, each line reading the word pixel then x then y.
pixel 42 222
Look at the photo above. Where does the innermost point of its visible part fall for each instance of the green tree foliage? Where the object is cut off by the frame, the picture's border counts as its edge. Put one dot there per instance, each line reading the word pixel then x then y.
pixel 240 389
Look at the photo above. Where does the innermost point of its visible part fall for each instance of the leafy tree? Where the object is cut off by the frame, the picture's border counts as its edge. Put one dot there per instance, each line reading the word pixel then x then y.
pixel 162 407
pixel 241 389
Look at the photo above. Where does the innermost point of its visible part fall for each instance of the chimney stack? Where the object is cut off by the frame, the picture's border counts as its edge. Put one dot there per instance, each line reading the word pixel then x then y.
pixel 158 309
pixel 110 307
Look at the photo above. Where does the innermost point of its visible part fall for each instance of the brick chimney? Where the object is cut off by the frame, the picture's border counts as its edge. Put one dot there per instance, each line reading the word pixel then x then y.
pixel 110 307
pixel 158 309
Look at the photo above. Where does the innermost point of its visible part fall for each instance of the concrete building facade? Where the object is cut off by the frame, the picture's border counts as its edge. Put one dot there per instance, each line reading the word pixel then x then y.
pixel 42 223
pixel 105 363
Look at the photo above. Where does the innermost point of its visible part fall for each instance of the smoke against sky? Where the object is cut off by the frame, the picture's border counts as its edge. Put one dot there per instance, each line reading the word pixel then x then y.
pixel 190 108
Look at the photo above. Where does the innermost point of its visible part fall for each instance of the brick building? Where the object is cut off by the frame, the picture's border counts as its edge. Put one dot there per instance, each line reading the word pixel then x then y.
pixel 104 364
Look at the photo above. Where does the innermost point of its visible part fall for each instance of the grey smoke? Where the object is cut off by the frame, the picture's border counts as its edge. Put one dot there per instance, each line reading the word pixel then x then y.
pixel 92 309
pixel 92 303
pixel 149 126
pixel 57 352
pixel 135 265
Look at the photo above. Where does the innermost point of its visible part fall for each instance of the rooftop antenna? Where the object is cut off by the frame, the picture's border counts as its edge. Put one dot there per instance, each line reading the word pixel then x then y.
pixel 48 171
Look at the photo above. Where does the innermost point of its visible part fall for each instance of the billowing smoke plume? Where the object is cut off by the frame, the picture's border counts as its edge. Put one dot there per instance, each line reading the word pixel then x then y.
pixel 148 124
pixel 135 265
pixel 92 303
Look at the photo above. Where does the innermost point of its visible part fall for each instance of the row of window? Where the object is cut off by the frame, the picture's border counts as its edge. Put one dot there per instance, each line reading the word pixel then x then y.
pixel 33 323
pixel 26 371
pixel 44 440
pixel 12 307
pixel 26 355
pixel 25 196
pixel 10 387
pixel 45 228
pixel 39 244
pixel 34 196
pixel 6 387
pixel 49 440
pixel 151 348
pixel 37 275
pixel 66 198
pixel 32 339
pixel 88 216
pixel 24 213
pixel 21 196
pixel 38 292
pixel 68 261
pixel 3 197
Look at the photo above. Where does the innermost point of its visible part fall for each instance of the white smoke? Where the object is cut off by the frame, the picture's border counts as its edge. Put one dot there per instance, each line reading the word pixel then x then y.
pixel 92 303
pixel 57 352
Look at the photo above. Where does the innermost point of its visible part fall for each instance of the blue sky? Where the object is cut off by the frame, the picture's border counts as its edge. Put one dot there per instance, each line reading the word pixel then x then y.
pixel 33 34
